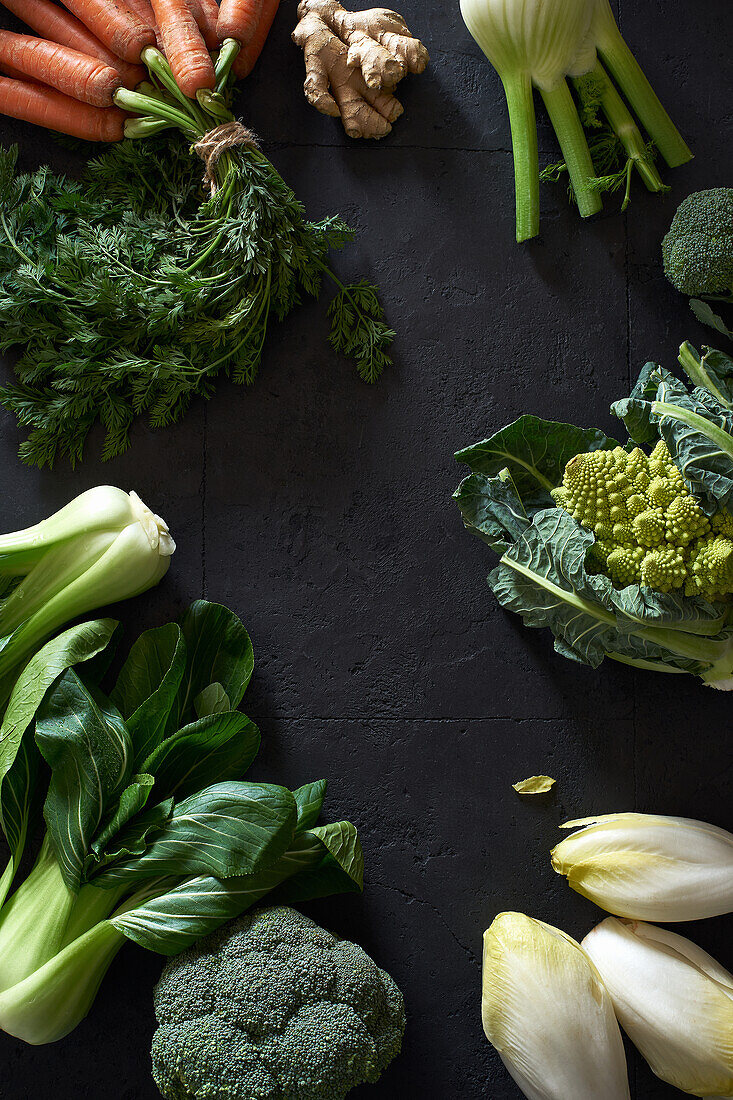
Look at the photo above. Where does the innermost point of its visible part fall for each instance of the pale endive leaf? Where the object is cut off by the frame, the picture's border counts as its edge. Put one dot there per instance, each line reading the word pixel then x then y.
pixel 545 1010
pixel 674 1001
pixel 536 784
pixel 649 867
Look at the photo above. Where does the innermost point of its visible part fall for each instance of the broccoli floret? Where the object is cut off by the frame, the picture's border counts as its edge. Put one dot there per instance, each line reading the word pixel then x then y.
pixel 272 1007
pixel 698 250
pixel 649 530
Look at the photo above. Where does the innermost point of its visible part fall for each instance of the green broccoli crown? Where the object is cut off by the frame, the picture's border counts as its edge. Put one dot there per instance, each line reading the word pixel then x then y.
pixel 698 250
pixel 649 530
pixel 272 1007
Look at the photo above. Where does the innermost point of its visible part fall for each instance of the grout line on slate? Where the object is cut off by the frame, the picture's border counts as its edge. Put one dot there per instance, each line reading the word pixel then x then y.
pixel 406 719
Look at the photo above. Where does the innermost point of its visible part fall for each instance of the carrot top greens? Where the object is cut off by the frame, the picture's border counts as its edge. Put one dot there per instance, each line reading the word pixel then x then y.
pixel 131 291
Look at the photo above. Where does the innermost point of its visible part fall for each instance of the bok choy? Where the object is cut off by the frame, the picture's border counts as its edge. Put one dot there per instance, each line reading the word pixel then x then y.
pixel 152 834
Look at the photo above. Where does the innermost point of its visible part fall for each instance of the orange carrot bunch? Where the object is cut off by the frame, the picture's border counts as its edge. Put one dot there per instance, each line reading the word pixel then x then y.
pixel 69 78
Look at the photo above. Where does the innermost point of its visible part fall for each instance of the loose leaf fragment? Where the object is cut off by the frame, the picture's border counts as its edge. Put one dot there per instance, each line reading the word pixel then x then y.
pixel 536 784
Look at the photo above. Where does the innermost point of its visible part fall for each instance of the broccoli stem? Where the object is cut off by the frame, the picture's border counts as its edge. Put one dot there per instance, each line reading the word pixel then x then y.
pixel 630 78
pixel 54 999
pixel 628 133
pixel 523 122
pixel 566 122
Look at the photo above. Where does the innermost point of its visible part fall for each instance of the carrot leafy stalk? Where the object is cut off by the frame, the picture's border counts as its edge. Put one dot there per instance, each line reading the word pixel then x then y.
pixel 120 316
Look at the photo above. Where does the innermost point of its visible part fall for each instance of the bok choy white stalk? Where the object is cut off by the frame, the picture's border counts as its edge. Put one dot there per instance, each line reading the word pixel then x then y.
pixel 540 44
pixel 103 547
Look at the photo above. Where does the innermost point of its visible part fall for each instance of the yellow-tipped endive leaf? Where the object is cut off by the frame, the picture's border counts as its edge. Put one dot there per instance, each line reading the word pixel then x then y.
pixel 649 867
pixel 674 1001
pixel 547 1013
pixel 536 784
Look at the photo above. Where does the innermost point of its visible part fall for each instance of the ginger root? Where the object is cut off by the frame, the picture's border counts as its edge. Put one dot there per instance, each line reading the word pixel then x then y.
pixel 353 61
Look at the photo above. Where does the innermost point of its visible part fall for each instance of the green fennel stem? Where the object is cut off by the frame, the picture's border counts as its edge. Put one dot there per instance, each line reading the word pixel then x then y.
pixel 622 122
pixel 630 78
pixel 523 122
pixel 566 122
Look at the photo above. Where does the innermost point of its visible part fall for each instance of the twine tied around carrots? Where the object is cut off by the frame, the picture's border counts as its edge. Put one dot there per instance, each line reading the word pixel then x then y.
pixel 212 146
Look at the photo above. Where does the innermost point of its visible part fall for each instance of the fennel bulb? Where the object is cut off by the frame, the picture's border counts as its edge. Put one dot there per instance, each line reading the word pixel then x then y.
pixel 545 1010
pixel 540 43
pixel 674 1001
pixel 649 867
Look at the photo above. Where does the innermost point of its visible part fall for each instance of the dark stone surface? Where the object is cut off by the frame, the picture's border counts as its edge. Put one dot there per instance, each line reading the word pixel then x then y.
pixel 320 510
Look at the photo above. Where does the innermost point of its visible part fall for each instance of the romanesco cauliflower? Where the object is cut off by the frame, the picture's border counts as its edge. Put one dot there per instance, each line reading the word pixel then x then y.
pixel 649 530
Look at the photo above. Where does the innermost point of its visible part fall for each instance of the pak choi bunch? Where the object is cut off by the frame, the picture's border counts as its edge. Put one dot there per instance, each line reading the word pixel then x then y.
pixel 544 44
pixel 152 833
pixel 622 550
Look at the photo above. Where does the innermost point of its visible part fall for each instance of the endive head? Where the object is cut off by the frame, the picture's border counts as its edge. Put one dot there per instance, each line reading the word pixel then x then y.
pixel 674 1001
pixel 649 867
pixel 546 39
pixel 545 1010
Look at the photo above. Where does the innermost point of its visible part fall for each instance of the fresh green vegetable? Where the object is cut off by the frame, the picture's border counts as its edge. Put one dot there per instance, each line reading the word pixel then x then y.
pixel 698 252
pixel 540 44
pixel 104 546
pixel 620 553
pixel 151 833
pixel 130 293
pixel 273 1007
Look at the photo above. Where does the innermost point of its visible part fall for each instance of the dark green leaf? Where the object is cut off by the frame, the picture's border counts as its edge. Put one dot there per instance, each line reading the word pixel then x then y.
pixel 212 700
pixel 148 686
pixel 176 919
pixel 706 315
pixel 712 372
pixel 132 800
pixel 74 646
pixel 228 829
pixel 219 651
pixel 19 798
pixel 211 750
pixel 493 510
pixel 534 451
pixel 83 739
pixel 309 800
pixel 128 844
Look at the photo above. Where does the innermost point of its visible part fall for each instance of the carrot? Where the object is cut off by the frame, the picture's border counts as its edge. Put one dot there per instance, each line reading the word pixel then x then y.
pixel 247 57
pixel 114 25
pixel 184 47
pixel 206 13
pixel 143 10
pixel 238 19
pixel 58 25
pixel 49 108
pixel 75 74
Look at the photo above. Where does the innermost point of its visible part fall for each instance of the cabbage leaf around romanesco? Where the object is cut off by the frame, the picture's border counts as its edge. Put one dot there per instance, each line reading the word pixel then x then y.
pixel 621 550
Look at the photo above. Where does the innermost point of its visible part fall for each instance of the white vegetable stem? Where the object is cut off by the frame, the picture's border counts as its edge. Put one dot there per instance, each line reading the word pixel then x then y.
pixel 104 547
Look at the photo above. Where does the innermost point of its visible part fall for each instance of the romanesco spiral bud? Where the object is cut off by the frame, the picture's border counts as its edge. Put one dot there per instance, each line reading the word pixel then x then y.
pixel 685 521
pixel 664 569
pixel 649 529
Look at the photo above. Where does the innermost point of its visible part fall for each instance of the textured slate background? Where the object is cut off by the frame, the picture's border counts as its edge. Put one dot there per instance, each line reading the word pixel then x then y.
pixel 320 510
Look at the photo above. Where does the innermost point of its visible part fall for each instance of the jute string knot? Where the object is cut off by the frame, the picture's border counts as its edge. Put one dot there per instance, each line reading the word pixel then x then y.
pixel 213 145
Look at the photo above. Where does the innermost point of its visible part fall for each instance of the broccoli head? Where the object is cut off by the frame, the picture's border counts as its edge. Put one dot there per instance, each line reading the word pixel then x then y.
pixel 272 1007
pixel 698 250
pixel 649 530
